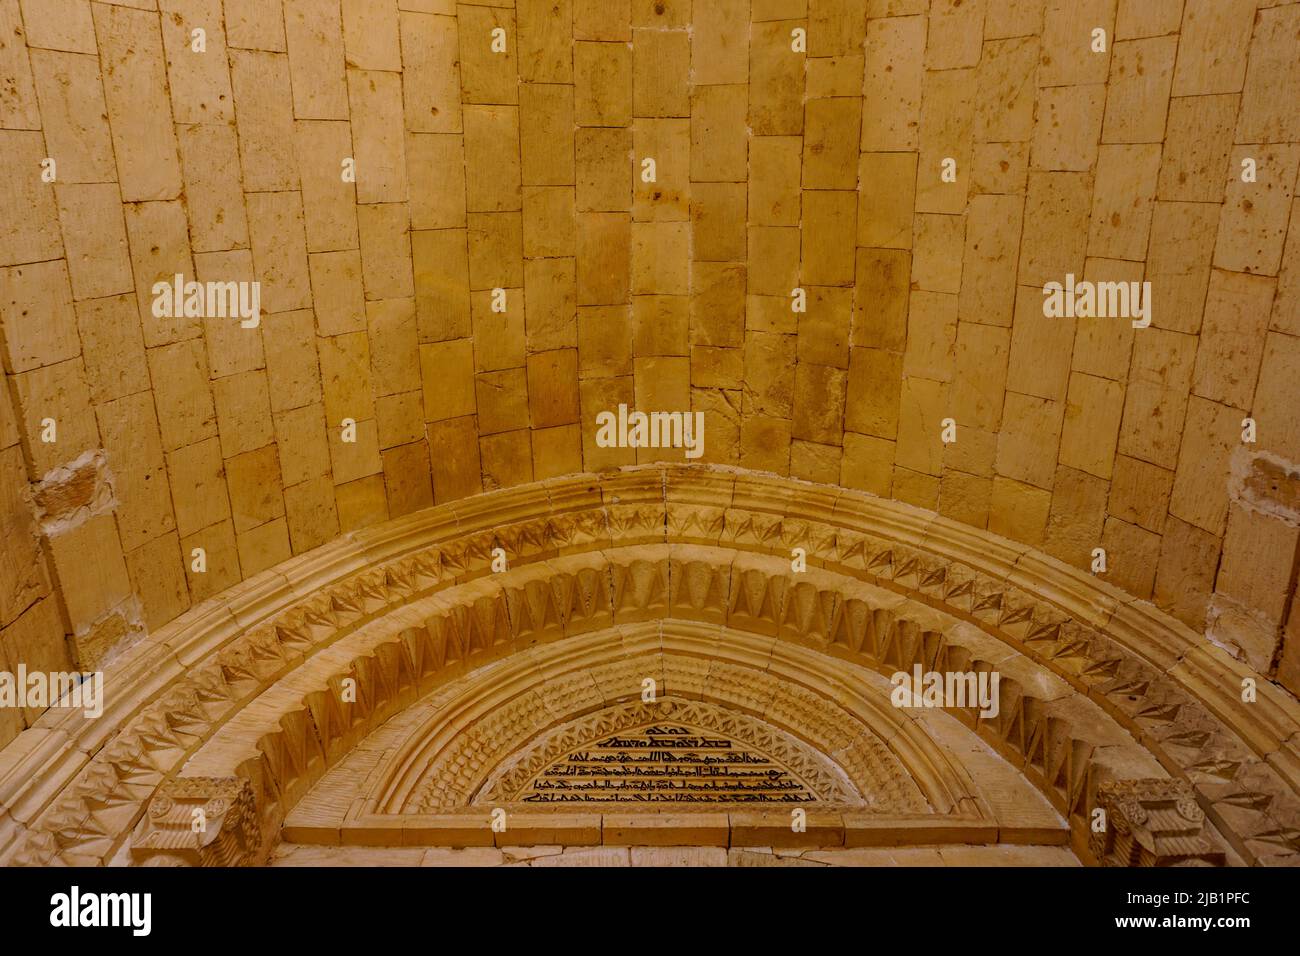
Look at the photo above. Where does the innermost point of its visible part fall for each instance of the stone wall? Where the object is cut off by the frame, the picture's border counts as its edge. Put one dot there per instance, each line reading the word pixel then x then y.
pixel 516 180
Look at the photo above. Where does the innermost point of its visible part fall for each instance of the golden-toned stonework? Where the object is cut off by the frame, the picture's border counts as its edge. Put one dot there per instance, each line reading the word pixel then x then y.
pixel 682 575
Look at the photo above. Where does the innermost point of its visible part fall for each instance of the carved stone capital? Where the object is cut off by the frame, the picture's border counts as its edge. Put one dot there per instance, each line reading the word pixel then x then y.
pixel 199 821
pixel 1152 822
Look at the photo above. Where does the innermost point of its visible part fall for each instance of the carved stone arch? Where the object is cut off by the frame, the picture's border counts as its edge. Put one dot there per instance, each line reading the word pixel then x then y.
pixel 1101 687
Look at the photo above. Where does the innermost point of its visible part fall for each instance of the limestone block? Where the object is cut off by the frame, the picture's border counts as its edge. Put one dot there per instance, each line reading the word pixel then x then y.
pixel 947 109
pixel 440 261
pixel 835 76
pixel 336 288
pixel 57 392
pixel 956 29
pixel 550 303
pixel 495 250
pixel 254 482
pixel 314 39
pixel 231 347
pixel 134 78
pixel 1137 96
pixel 1103 344
pixel 761 10
pixel 810 461
pixel 604 341
pixel 407 479
pixel 222 560
pixel 769 374
pixel 364 502
pixel 275 226
pixel 1275 407
pixel 394 354
pixel 718 221
pixel 1147 18
pixel 264 113
pixel 603 258
pixel 932 336
pixel 881 299
pixel 1252 227
pixel 717 307
pixel 546 134
pixel 871 407
pixel 602 19
pixel 604 182
pixel 824 328
pixel 988 270
pixel 1139 493
pixel 661 72
pixel 1178 263
pixel 819 404
pixel 553 388
pixel 263 547
pixel 304 449
pixel 1269 113
pixel 835 27
pixel 916 489
pixel 1092 417
pixel 556 451
pixel 965 498
pixel 923 405
pixel 980 372
pixel 40 326
pixel 867 464
pixel 371 34
pixel 660 325
pixel 243 412
pixel 1000 168
pixel 1067 55
pixel 113 347
pixel 487 76
pixel 1028 441
pixel 498 336
pixel 22 570
pixel 29 225
pixel 603 395
pixel 506 458
pixel 774 257
pixel 1068 127
pixel 1286 306
pixel 1198 141
pixel 1213 46
pixel 1232 337
pixel 830 146
pixel 828 247
pixel 720 43
pixel 255 25
pixel 198 487
pixel 447 370
pixel 378 137
pixel 1019 511
pixel 213 195
pixel 431 72
pixel 89 564
pixel 291 367
pixel 776 79
pixel 74 116
pixel 399 418
pixel 1189 558
pixel 1258 562
pixel 311 513
pixel 1075 523
pixel 602 83
pixel 974 452
pixel 435 166
pixel 936 253
pixel 770 313
pixel 886 191
pixel 765 444
pixel 1132 554
pixel 549 223
pixel 59 25
pixel 1122 200
pixel 1056 226
pixel 545 41
pixel 774 180
pixel 1004 109
pixel 454 454
pixel 894 71
pixel 1200 495
pixel 346 378
pixel 129 429
pixel 717 367
pixel 668 143
pixel 99 263
pixel 386 259
pixel 718 135
pixel 352 460
pixel 660 258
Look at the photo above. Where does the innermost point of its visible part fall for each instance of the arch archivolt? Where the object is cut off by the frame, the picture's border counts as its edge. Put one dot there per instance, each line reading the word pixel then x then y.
pixel 1099 694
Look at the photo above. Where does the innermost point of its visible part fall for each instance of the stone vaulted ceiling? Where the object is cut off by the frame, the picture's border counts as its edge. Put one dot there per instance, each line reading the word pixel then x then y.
pixel 824 225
